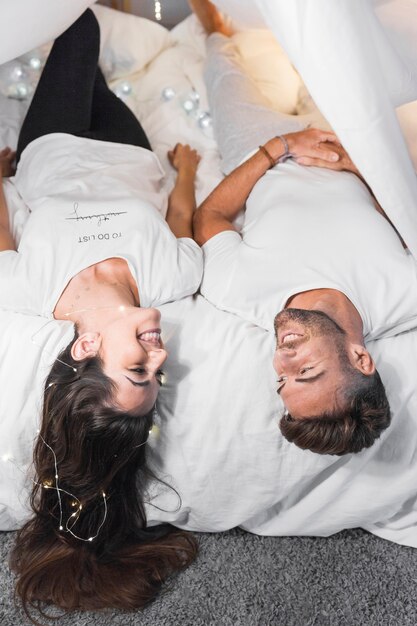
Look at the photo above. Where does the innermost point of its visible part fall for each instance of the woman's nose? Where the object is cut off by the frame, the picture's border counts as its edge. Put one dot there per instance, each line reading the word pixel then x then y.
pixel 156 358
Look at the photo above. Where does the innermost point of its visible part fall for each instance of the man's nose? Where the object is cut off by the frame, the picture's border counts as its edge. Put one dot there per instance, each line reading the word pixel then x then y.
pixel 287 361
pixel 287 354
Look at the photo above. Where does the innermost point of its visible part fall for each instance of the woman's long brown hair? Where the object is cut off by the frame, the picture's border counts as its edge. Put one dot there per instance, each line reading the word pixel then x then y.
pixel 98 450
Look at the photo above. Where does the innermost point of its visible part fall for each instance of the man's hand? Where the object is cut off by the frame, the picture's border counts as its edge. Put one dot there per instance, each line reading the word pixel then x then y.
pixel 184 158
pixel 307 144
pixel 343 163
pixel 314 144
pixel 7 156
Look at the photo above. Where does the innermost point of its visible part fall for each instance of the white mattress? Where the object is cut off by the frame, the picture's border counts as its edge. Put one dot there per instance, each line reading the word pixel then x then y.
pixel 219 443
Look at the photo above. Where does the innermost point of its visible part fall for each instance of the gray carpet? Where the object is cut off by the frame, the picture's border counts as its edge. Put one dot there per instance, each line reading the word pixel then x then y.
pixel 350 579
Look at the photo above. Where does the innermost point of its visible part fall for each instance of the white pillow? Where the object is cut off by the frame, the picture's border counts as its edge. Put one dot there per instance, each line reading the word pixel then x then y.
pixel 128 42
pixel 28 348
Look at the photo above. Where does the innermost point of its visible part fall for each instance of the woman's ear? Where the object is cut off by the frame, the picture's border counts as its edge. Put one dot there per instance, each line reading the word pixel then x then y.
pixel 362 360
pixel 86 346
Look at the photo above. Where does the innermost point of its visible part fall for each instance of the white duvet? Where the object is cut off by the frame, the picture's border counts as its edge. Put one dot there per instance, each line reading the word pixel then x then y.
pixel 218 443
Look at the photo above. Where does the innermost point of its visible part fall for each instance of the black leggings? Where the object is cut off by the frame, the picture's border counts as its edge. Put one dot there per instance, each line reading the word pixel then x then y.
pixel 72 95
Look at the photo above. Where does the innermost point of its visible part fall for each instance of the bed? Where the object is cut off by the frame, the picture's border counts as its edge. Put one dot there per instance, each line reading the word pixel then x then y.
pixel 217 445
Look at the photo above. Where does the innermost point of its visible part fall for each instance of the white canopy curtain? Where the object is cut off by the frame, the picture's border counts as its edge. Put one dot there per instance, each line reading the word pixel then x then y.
pixel 26 24
pixel 358 59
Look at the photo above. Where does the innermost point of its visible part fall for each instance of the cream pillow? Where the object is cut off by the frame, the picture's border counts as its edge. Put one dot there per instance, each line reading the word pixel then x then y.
pixel 262 56
pixel 128 42
pixel 407 116
pixel 272 70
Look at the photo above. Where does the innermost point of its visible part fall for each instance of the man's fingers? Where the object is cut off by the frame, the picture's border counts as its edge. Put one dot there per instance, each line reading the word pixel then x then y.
pixel 325 135
pixel 327 154
pixel 305 161
pixel 317 162
pixel 324 154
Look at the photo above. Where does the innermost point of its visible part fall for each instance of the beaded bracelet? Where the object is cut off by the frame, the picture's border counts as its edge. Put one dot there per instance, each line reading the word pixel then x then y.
pixel 287 154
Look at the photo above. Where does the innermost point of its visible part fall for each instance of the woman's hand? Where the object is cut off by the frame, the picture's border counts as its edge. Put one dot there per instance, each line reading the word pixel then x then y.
pixel 181 203
pixel 7 156
pixel 184 159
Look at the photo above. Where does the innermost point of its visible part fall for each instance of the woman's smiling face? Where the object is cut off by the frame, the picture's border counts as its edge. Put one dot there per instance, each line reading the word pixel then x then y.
pixel 132 353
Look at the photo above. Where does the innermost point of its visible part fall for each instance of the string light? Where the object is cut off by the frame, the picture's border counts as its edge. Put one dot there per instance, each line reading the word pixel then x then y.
pixel 75 503
pixel 146 440
pixel 120 308
pixel 158 10
pixel 48 484
pixel 73 518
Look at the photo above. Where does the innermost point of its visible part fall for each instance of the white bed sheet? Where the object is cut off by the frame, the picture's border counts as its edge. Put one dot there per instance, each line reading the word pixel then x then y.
pixel 219 443
pixel 221 448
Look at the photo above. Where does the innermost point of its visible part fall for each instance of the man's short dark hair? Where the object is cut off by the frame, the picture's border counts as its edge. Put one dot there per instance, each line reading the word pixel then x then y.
pixel 361 417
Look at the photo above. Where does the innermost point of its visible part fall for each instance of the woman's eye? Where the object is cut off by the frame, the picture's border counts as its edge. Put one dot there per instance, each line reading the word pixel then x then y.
pixel 305 369
pixel 139 370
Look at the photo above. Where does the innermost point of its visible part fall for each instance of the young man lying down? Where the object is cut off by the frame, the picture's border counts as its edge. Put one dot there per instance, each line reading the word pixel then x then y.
pixel 313 261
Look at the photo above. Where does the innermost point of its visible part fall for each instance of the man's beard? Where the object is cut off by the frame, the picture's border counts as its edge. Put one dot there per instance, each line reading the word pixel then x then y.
pixel 316 323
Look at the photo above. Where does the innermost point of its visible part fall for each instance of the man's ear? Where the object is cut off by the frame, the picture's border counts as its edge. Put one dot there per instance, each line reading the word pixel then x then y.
pixel 86 346
pixel 362 360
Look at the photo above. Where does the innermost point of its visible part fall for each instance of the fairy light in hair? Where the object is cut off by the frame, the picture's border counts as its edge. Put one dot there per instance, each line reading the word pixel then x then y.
pixel 153 431
pixel 74 369
pixel 48 484
pixel 58 490
pixel 146 440
pixel 74 516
